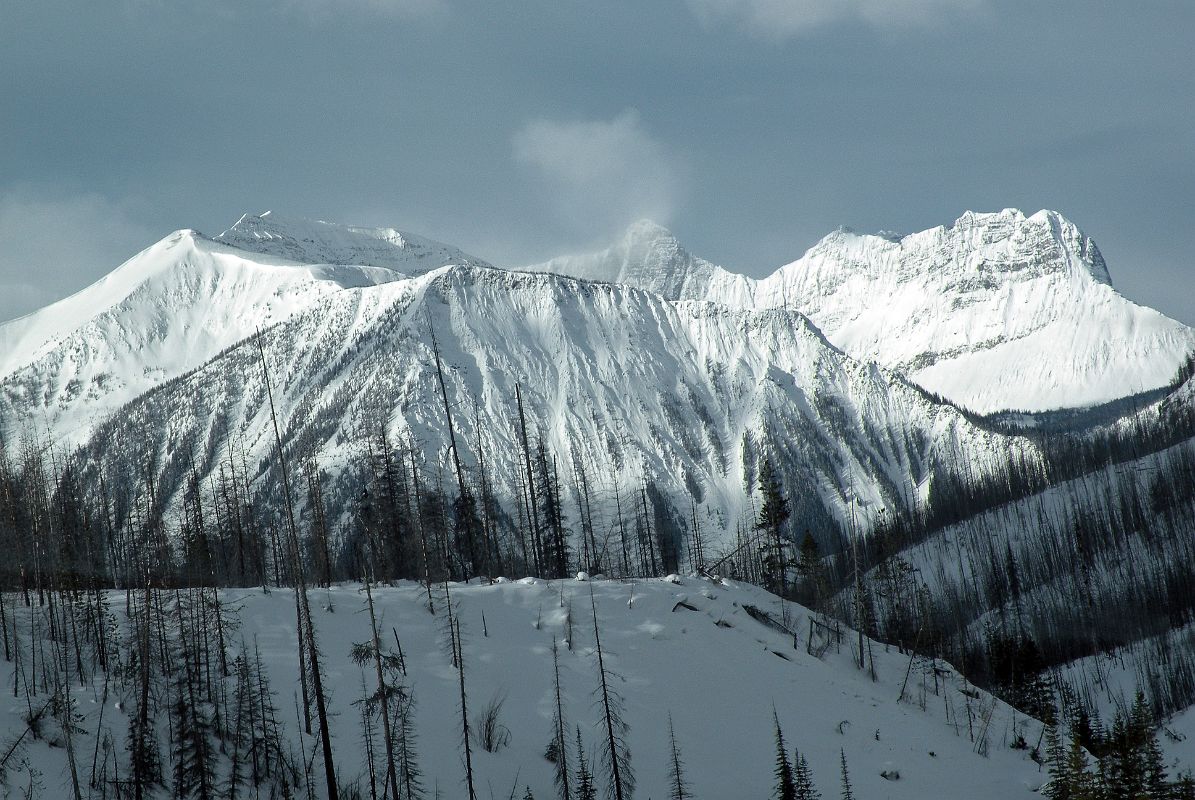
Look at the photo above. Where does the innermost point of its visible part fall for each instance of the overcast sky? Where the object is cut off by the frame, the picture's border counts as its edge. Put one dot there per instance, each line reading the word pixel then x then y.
pixel 521 130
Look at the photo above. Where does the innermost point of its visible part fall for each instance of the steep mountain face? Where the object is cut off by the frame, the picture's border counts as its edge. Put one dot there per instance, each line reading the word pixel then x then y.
pixel 994 312
pixel 617 382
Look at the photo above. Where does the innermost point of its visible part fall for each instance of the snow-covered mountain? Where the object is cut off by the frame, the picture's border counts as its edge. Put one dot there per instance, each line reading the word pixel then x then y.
pixel 165 311
pixel 628 386
pixel 995 311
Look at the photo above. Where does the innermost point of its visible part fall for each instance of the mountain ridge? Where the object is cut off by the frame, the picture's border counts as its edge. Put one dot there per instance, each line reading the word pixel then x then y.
pixel 995 311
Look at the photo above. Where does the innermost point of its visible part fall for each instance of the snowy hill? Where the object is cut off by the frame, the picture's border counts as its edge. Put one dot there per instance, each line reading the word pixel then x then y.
pixel 690 650
pixel 995 311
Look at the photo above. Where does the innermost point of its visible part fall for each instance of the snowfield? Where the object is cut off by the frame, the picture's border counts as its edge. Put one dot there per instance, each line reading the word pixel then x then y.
pixel 689 649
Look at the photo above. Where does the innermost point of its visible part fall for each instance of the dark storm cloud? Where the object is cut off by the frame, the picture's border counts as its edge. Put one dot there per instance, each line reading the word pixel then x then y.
pixel 520 130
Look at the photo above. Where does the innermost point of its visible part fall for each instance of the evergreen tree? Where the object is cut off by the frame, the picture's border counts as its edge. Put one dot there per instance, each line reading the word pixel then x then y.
pixel 810 569
pixel 773 513
pixel 193 751
pixel 410 776
pixel 1080 783
pixel 803 779
pixel 1058 787
pixel 847 793
pixel 786 787
pixel 557 751
pixel 678 788
pixel 586 788
pixel 1153 768
pixel 616 753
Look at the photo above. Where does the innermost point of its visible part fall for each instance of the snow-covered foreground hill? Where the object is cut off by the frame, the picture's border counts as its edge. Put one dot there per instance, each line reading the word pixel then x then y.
pixel 688 649
pixel 995 311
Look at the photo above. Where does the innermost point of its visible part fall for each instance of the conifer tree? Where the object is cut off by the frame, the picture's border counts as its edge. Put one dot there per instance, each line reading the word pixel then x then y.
pixel 586 788
pixel 194 750
pixel 786 787
pixel 847 792
pixel 678 788
pixel 1080 783
pixel 557 751
pixel 803 779
pixel 616 753
pixel 1058 787
pixel 773 513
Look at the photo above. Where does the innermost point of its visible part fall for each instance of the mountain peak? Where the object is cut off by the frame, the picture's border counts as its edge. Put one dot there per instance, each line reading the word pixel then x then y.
pixel 649 256
pixel 646 230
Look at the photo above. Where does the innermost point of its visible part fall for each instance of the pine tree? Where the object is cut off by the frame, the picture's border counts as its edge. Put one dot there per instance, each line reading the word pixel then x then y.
pixel 558 747
pixel 1153 769
pixel 1058 787
pixel 786 787
pixel 616 753
pixel 410 776
pixel 1081 784
pixel 678 788
pixel 194 749
pixel 847 793
pixel 803 779
pixel 773 513
pixel 809 567
pixel 586 788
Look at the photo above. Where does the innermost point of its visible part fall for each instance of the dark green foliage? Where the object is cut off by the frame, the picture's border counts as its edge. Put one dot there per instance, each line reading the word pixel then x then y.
pixel 773 514
pixel 785 781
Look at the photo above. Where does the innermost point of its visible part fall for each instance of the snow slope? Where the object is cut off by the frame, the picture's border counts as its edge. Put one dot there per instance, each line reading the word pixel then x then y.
pixel 717 671
pixel 994 311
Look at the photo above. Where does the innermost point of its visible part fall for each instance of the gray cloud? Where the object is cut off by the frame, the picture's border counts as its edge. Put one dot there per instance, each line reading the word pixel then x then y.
pixel 321 9
pixel 778 19
pixel 602 173
pixel 52 246
pixel 495 126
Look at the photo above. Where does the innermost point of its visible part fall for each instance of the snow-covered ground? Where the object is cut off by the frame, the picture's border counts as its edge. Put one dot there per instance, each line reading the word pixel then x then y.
pixel 688 649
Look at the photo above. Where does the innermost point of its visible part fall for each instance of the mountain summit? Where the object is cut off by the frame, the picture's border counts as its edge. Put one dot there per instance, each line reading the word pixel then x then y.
pixel 649 257
pixel 995 311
